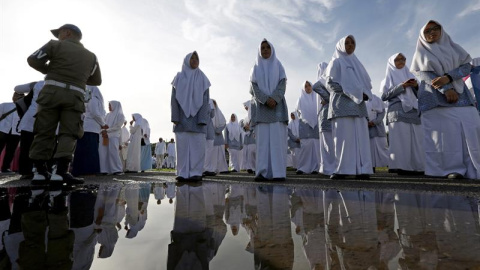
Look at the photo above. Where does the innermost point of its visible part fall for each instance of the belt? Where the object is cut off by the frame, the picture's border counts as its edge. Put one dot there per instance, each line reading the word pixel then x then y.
pixel 64 85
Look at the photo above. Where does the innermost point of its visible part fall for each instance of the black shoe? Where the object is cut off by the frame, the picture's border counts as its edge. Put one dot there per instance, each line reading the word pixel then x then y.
pixel 250 171
pixel 7 171
pixel 71 180
pixel 279 179
pixel 393 170
pixel 131 172
pixel 260 178
pixel 180 179
pixel 233 171
pixel 337 176
pixel 299 172
pixel 454 176
pixel 196 178
pixel 207 173
pixel 362 176
pixel 314 172
pixel 225 172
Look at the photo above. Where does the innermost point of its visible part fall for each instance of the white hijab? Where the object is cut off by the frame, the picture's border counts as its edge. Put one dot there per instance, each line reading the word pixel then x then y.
pixel 321 68
pixel 349 72
pixel 374 106
pixel 394 77
pixel 440 57
pixel 190 85
pixel 96 94
pixel 307 106
pixel 116 115
pixel 234 129
pixel 293 125
pixel 146 128
pixel 266 73
pixel 138 119
pixel 218 118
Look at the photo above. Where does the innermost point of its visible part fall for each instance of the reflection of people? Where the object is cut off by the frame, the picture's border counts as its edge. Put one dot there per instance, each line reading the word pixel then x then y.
pixel 349 85
pixel 450 121
pixel 405 132
pixel 191 241
pixel 48 239
pixel 308 156
pixel 190 115
pixel 269 114
pixel 69 67
pixel 273 243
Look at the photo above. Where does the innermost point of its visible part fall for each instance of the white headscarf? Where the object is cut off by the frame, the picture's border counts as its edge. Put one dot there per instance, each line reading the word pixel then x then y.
pixel 440 57
pixel 116 115
pixel 146 128
pixel 96 94
pixel 293 125
pixel 349 72
pixel 321 68
pixel 266 73
pixel 234 129
pixel 218 118
pixel 307 106
pixel 138 119
pixel 394 77
pixel 190 85
pixel 374 106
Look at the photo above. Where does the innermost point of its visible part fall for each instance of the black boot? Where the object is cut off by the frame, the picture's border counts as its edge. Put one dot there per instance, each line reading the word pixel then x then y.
pixel 41 176
pixel 62 170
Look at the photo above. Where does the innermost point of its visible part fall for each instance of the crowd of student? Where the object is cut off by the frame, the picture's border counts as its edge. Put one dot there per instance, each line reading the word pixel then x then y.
pixel 434 127
pixel 336 128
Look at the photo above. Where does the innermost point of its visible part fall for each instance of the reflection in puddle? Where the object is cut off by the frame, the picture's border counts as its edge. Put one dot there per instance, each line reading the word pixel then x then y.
pixel 163 225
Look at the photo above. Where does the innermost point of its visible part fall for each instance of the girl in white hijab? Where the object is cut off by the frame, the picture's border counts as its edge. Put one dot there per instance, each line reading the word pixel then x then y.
pixel 134 146
pixel 377 133
pixel 293 140
pixel 450 120
pixel 399 88
pixel 146 149
pixel 190 116
pixel 327 154
pixel 234 142
pixel 308 156
pixel 215 160
pixel 349 85
pixel 110 161
pixel 269 114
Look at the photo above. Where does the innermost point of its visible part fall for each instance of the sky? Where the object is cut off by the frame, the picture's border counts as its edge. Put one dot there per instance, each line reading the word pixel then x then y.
pixel 141 44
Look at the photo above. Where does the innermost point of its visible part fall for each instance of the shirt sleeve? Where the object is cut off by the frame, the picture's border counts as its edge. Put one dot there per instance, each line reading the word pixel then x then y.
pixel 38 60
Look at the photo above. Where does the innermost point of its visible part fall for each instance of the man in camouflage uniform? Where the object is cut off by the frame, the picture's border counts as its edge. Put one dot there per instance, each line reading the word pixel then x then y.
pixel 69 67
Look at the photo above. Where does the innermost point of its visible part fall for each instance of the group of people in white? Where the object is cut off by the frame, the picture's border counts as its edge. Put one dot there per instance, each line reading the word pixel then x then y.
pixel 107 146
pixel 337 126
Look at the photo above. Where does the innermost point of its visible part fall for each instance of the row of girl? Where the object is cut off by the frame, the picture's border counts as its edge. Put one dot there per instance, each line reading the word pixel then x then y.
pixel 434 126
pixel 106 147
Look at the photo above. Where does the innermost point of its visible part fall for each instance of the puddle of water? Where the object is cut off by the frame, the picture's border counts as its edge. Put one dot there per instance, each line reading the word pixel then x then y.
pixel 163 225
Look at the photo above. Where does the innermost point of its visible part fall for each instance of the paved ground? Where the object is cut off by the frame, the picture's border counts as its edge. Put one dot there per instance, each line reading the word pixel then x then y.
pixel 378 181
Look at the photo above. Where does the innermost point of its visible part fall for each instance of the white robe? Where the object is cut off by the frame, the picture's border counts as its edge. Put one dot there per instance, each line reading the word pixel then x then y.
pixel 406 146
pixel 308 155
pixel 271 141
pixel 191 153
pixel 352 146
pixel 133 158
pixel 327 153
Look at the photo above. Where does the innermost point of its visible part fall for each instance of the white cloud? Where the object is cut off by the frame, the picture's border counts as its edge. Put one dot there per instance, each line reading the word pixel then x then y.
pixel 470 9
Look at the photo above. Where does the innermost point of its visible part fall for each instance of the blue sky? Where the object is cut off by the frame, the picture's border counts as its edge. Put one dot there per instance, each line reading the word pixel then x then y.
pixel 141 44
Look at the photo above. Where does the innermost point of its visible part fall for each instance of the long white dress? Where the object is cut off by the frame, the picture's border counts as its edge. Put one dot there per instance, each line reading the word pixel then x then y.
pixel 133 157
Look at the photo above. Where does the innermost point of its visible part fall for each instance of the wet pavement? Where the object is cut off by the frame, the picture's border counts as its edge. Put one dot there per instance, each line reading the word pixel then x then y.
pixel 147 221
